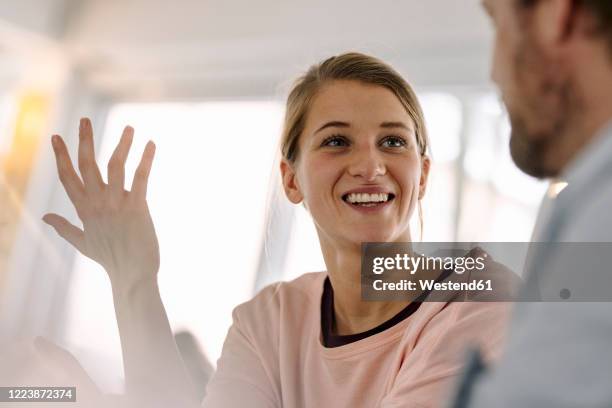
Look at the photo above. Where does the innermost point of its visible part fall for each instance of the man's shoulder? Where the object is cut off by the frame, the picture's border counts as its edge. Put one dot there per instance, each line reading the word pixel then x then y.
pixel 586 203
pixel 590 219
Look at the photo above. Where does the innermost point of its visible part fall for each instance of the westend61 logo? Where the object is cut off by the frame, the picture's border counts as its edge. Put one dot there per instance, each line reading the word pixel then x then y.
pixel 487 271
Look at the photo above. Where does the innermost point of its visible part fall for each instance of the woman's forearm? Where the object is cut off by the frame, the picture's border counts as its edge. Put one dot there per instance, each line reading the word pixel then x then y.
pixel 154 370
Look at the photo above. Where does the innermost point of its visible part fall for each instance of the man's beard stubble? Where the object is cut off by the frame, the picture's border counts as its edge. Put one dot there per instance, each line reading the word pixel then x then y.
pixel 528 152
pixel 534 148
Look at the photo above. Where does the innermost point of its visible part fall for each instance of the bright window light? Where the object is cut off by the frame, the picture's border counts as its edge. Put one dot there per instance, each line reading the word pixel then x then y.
pixel 7 107
pixel 443 117
pixel 499 202
pixel 304 250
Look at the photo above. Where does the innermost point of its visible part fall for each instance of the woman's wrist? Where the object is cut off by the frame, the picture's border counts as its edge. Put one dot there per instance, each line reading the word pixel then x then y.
pixel 126 288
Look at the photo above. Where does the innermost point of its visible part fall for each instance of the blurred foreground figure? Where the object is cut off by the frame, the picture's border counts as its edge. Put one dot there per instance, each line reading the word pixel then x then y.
pixel 40 363
pixel 197 364
pixel 553 65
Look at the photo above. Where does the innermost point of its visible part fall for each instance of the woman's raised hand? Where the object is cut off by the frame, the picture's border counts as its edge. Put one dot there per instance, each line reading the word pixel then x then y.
pixel 117 232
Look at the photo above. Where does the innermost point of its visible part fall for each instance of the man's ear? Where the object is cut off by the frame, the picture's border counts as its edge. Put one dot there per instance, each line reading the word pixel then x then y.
pixel 554 22
pixel 425 165
pixel 290 183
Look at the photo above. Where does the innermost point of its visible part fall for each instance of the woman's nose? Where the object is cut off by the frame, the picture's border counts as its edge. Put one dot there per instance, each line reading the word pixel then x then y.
pixel 367 164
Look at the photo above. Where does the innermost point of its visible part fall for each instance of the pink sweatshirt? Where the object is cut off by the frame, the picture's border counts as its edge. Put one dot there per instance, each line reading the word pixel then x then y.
pixel 273 356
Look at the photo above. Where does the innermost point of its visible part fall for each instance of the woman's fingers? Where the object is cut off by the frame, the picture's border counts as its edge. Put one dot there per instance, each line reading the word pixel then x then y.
pixel 66 230
pixel 116 164
pixel 67 175
pixel 141 177
pixel 87 158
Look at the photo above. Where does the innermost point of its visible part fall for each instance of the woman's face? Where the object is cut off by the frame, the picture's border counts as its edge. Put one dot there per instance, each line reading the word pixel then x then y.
pixel 359 170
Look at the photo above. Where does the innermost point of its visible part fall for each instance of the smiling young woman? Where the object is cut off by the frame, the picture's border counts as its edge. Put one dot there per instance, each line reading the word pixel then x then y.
pixel 354 152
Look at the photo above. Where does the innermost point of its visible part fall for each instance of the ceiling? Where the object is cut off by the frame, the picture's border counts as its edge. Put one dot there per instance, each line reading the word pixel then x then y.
pixel 160 49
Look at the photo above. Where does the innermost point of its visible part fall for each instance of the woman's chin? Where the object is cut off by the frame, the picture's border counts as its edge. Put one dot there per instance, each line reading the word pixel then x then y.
pixel 373 236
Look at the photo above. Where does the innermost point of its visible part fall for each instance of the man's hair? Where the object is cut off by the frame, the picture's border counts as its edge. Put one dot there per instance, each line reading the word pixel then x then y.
pixel 601 10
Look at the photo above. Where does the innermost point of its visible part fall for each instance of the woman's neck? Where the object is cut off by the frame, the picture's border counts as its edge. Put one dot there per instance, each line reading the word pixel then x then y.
pixel 352 314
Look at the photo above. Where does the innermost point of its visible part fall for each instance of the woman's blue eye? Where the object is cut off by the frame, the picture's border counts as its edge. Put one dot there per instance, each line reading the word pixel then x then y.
pixel 396 141
pixel 334 141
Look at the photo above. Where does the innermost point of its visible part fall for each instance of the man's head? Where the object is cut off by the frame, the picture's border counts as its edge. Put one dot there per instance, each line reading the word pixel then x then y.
pixel 548 56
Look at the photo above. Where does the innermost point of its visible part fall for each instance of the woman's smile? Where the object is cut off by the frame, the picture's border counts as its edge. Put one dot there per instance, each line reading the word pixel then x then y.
pixel 368 200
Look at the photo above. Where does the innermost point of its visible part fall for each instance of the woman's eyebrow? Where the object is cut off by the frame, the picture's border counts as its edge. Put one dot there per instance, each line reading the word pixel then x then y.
pixel 384 125
pixel 334 123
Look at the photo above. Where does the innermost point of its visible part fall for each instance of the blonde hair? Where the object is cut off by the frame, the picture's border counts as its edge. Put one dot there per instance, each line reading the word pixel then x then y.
pixel 348 66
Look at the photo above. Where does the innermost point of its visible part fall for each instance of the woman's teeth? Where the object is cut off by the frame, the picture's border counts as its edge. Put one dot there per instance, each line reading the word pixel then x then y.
pixel 367 200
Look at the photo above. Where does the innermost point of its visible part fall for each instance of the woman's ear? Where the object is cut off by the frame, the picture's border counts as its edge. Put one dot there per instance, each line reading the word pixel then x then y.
pixel 425 165
pixel 290 183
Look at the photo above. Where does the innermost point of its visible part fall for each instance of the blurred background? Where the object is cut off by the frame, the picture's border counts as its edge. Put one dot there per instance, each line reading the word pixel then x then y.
pixel 206 80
